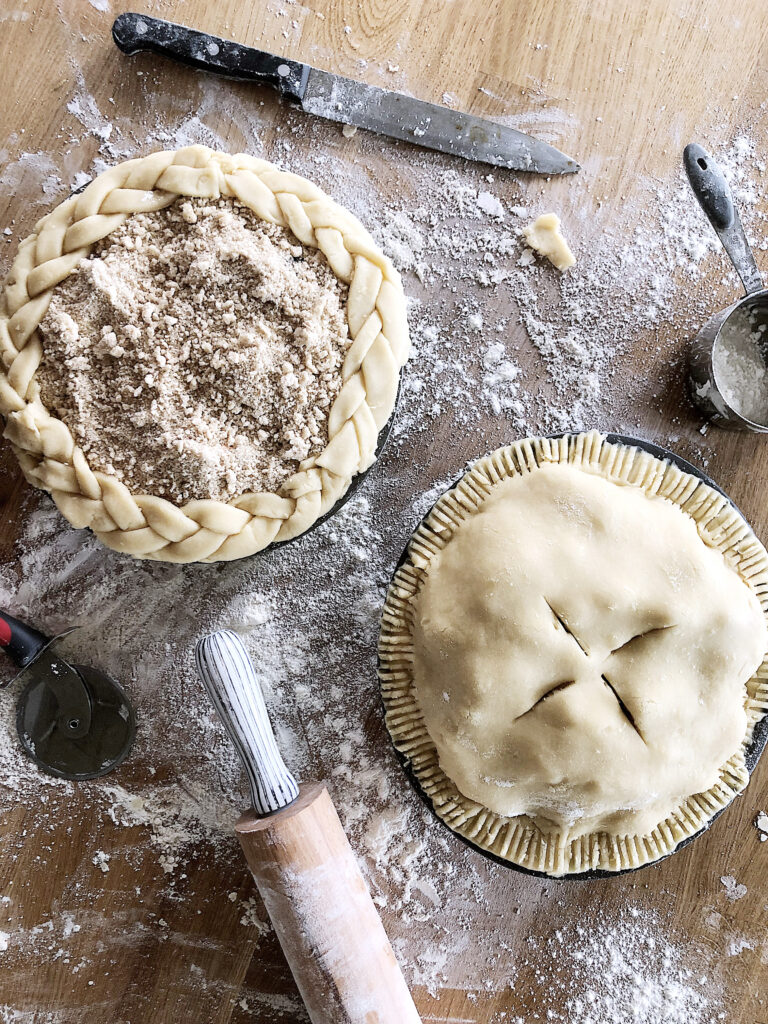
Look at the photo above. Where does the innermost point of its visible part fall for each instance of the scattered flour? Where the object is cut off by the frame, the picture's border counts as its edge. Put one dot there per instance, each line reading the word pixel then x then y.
pixel 101 860
pixel 34 171
pixel 733 889
pixel 502 347
pixel 254 916
pixel 488 203
pixel 737 944
pixel 626 972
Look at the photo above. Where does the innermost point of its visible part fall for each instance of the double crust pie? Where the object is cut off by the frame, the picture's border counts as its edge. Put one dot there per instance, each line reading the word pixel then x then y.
pixel 198 355
pixel 572 654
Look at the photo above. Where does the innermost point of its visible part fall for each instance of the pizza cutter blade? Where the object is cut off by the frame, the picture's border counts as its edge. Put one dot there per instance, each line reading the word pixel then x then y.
pixel 75 722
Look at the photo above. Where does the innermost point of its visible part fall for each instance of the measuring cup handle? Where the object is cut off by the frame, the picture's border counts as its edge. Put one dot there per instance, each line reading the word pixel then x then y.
pixel 20 641
pixel 714 196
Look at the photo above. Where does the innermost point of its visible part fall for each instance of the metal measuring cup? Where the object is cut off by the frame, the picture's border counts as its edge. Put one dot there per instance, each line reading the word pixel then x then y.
pixel 714 196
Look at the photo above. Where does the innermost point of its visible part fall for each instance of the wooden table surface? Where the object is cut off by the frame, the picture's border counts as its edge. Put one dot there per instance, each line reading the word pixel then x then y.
pixel 630 84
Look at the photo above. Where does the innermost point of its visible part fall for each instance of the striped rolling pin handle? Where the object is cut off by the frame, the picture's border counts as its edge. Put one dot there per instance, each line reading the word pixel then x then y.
pixel 227 674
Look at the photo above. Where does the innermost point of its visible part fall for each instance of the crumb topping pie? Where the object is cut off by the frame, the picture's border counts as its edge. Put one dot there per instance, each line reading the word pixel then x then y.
pixel 198 354
pixel 572 654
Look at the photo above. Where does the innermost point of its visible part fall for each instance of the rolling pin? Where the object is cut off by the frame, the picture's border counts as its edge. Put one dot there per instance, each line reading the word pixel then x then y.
pixel 302 863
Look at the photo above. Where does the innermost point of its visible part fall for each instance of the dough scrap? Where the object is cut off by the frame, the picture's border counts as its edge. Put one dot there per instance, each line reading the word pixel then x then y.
pixel 545 237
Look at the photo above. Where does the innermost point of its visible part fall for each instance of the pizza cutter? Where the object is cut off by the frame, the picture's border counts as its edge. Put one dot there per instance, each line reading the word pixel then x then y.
pixel 75 722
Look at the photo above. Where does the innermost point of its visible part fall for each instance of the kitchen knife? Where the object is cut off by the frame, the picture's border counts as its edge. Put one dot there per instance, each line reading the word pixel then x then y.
pixel 341 99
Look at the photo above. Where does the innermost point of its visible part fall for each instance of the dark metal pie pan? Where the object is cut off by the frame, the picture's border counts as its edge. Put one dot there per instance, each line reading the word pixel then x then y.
pixel 753 751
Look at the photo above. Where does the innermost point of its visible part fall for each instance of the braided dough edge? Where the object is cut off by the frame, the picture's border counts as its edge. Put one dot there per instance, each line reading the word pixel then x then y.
pixel 519 840
pixel 144 525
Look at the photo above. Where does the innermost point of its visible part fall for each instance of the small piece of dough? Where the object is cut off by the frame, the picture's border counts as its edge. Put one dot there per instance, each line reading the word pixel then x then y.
pixel 544 236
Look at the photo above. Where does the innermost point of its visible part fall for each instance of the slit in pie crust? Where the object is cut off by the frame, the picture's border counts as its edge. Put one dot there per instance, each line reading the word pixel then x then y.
pixel 216 525
pixel 572 654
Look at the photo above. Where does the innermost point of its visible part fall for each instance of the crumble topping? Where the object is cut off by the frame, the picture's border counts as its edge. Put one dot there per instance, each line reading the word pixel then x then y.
pixel 196 352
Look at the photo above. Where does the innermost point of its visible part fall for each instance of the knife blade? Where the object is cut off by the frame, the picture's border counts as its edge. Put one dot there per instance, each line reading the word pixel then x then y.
pixel 344 100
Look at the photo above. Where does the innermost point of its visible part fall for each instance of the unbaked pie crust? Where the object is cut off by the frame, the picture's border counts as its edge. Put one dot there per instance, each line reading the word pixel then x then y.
pixel 145 525
pixel 572 654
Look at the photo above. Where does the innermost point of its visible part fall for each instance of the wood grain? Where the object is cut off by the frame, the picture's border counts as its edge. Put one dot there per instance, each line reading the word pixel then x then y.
pixel 323 914
pixel 622 87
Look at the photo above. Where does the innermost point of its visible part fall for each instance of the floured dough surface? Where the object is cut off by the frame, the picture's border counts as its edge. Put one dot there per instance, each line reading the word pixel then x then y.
pixel 581 655
pixel 545 237
pixel 196 352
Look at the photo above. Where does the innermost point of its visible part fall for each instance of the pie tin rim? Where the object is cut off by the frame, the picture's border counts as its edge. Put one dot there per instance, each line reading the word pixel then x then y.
pixel 355 483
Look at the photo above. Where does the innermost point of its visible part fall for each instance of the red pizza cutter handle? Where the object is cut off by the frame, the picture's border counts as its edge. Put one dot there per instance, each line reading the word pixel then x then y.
pixel 21 642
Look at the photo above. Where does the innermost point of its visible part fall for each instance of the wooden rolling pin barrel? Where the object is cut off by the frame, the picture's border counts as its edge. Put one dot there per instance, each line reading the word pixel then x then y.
pixel 304 867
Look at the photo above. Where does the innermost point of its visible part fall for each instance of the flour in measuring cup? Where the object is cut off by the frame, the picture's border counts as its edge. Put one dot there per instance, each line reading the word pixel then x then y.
pixel 739 365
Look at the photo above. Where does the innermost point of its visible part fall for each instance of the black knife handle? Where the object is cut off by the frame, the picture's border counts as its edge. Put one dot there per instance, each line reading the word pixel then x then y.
pixel 20 641
pixel 136 32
